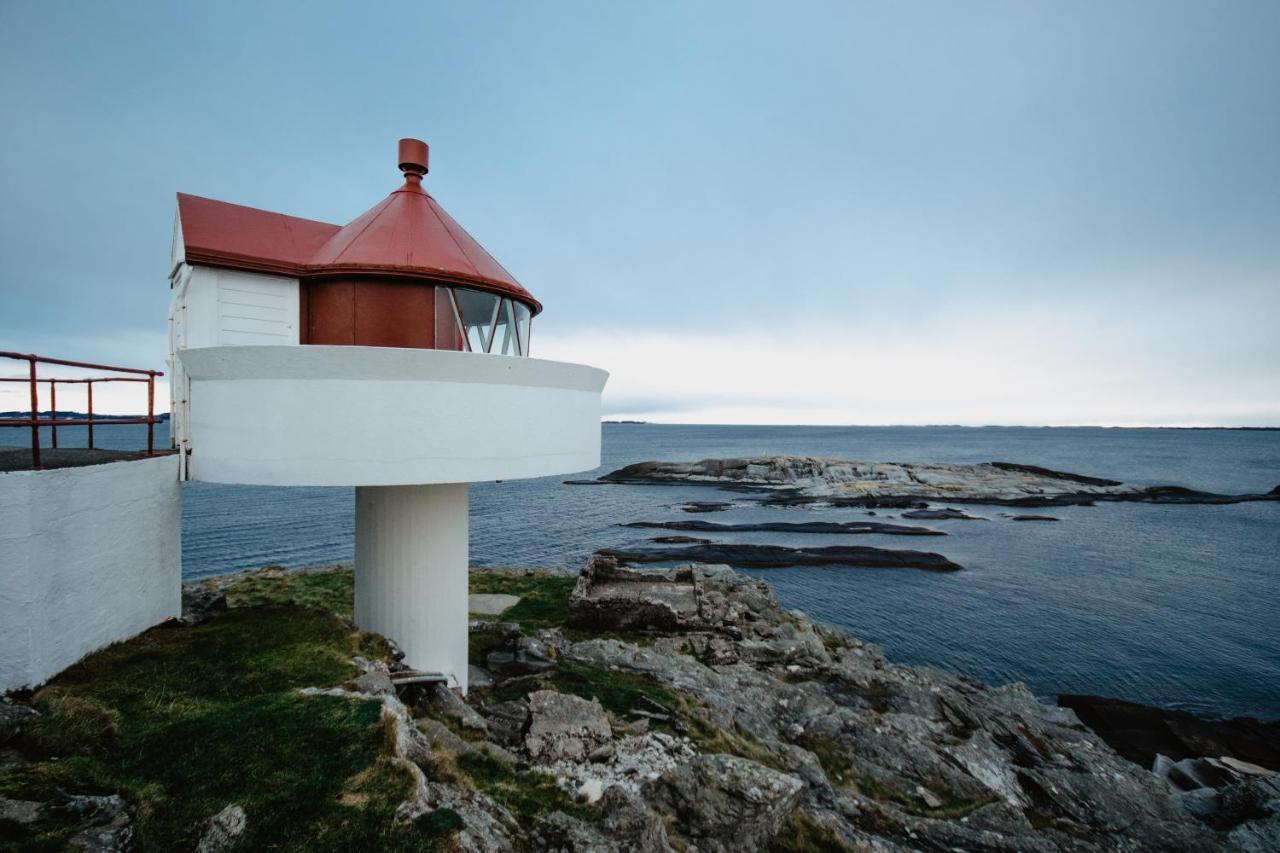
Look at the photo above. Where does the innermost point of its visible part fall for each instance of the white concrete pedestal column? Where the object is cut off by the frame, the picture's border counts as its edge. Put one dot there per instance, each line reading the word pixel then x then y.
pixel 411 572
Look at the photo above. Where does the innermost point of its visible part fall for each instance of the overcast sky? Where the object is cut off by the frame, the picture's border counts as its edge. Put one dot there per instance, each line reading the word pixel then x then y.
pixel 894 212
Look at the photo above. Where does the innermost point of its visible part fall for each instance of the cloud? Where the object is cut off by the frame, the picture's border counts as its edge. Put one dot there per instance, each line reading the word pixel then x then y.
pixel 1058 363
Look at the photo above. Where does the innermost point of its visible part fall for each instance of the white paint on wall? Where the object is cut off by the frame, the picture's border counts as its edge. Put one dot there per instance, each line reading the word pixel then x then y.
pixel 411 573
pixel 214 307
pixel 379 416
pixel 88 557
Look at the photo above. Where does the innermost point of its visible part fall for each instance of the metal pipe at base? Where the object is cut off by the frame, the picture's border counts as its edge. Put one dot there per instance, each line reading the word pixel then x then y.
pixel 411 573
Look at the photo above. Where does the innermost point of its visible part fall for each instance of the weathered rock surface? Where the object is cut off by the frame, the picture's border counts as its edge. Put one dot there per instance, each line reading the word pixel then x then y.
pixel 14 718
pixel 564 727
pixel 106 826
pixel 853 483
pixel 223 830
pixel 744 556
pixel 838 527
pixel 725 803
pixel 201 603
pixel 885 757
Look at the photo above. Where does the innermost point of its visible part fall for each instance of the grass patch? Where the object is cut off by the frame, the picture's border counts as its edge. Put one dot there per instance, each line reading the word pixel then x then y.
pixel 802 834
pixel 480 643
pixel 544 596
pixel 184 721
pixel 618 692
pixel 527 793
pixel 332 591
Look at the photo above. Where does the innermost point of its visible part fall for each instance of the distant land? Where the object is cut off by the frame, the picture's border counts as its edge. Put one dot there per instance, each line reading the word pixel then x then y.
pixel 63 415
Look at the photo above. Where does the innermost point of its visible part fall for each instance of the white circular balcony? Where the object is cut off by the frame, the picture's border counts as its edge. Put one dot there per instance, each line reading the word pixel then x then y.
pixel 378 416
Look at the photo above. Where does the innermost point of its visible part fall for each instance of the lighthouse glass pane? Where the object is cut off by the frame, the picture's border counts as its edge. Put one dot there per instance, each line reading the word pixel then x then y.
pixel 478 310
pixel 448 332
pixel 523 321
pixel 504 334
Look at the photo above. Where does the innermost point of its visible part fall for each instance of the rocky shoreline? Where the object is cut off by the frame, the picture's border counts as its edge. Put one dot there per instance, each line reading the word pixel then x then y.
pixel 624 710
pixel 802 480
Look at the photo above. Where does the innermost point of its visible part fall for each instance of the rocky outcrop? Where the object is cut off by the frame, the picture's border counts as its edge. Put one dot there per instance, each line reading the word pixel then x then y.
pixel 877 755
pixel 804 479
pixel 1140 733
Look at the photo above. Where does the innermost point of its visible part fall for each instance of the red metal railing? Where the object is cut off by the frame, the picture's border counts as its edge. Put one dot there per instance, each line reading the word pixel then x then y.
pixel 34 421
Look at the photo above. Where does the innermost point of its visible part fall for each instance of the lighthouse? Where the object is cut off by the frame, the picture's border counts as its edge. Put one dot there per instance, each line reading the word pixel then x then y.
pixel 392 354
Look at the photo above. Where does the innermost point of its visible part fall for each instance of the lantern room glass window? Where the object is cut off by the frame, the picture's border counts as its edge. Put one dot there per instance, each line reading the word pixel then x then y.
pixel 474 321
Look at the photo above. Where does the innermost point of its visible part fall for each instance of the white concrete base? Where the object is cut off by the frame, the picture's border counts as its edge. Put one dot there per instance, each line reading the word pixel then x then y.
pixel 411 573
pixel 88 557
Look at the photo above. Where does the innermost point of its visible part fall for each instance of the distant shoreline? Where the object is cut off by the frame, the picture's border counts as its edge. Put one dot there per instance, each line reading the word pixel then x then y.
pixel 612 422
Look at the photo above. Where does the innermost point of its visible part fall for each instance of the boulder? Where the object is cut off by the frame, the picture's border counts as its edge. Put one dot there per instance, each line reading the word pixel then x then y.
pixel 562 726
pixel 439 699
pixel 20 811
pixel 14 718
pixel 223 830
pixel 725 803
pixel 626 818
pixel 105 824
pixel 201 603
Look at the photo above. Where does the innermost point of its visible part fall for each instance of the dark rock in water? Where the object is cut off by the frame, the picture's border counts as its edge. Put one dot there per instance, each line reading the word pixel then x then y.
pixel 706 506
pixel 777 557
pixel 797 498
pixel 201 603
pixel 949 512
pixel 1054 475
pixel 1140 733
pixel 679 540
pixel 840 527
pixel 1033 518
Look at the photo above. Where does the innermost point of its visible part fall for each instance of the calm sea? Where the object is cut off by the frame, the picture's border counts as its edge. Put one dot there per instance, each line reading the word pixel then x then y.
pixel 1176 606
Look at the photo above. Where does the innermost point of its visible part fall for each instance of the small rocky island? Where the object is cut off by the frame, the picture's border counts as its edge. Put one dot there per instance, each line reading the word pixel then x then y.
pixel 621 710
pixel 841 482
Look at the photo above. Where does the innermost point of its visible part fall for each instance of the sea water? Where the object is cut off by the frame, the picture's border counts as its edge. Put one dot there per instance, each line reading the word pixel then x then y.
pixel 1177 606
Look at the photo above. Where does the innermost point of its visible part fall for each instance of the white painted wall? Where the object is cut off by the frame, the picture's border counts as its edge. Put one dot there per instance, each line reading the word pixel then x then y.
pixel 213 307
pixel 411 573
pixel 88 557
pixel 378 416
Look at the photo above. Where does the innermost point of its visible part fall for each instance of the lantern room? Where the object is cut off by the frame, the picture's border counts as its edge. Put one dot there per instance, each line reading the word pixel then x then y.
pixel 391 354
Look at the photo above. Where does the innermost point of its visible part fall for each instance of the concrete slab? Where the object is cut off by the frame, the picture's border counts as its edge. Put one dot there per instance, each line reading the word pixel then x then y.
pixel 491 603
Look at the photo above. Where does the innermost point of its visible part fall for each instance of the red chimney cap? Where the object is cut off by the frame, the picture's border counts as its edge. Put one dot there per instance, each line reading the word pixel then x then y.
pixel 413 157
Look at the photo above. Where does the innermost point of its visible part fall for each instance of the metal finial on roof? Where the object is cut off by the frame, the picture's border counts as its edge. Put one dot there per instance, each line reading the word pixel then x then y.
pixel 413 159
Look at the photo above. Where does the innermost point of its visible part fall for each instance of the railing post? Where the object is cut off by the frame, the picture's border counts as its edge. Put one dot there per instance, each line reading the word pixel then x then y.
pixel 151 414
pixel 53 406
pixel 90 383
pixel 35 417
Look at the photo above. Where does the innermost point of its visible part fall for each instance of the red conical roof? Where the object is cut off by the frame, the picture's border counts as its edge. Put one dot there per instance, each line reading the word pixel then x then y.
pixel 406 235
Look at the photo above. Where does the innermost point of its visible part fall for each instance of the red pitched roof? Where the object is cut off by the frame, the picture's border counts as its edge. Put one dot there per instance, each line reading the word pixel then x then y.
pixel 406 235
pixel 219 234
